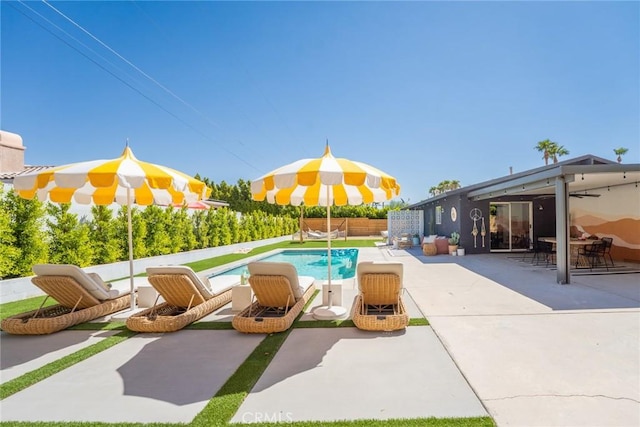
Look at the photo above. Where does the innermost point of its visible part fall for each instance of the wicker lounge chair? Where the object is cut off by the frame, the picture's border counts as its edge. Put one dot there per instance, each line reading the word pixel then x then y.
pixel 187 298
pixel 81 297
pixel 379 305
pixel 280 296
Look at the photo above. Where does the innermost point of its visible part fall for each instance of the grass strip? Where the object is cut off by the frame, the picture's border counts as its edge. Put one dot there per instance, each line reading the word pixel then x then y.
pixel 214 326
pixel 414 422
pixel 345 323
pixel 228 399
pixel 30 378
pixel 13 308
pixel 98 326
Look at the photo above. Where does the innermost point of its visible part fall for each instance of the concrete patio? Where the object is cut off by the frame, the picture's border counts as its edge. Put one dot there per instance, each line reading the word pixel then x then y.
pixel 504 340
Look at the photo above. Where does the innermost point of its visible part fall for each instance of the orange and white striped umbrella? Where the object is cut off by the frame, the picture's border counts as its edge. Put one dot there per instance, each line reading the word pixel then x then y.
pixel 325 181
pixel 125 181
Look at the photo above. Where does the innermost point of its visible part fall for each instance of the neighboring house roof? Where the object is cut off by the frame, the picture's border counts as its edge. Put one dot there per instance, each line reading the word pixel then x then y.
pixel 7 177
pixel 598 172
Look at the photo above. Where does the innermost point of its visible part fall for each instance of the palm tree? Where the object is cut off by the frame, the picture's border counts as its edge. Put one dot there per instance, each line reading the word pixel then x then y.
pixel 558 151
pixel 454 184
pixel 620 152
pixel 543 147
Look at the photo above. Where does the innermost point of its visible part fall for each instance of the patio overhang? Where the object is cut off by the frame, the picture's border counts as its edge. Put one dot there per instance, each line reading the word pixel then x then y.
pixel 580 179
pixel 562 182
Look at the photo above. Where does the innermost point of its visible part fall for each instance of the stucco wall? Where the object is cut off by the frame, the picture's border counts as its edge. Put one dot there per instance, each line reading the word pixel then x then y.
pixel 616 214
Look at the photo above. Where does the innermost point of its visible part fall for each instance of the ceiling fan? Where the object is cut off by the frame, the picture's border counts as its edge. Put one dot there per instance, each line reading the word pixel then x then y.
pixel 585 194
pixel 577 195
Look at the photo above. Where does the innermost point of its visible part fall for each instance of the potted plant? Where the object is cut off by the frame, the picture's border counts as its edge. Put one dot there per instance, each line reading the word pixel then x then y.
pixel 454 240
pixel 416 239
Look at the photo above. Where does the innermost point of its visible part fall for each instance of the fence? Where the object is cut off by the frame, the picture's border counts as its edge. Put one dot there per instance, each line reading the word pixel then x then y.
pixel 351 226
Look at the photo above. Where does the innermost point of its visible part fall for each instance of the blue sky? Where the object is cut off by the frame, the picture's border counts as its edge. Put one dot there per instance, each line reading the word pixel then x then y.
pixel 426 91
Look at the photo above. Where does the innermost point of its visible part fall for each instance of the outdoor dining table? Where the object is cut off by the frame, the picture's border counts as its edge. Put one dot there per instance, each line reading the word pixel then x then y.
pixel 574 244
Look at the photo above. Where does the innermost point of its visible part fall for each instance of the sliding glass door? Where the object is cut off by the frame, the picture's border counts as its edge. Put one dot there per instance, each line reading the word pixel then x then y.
pixel 510 225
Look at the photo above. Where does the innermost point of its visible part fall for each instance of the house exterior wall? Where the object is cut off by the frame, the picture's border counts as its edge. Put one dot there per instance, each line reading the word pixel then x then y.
pixel 615 214
pixel 461 222
pixel 11 152
pixel 544 222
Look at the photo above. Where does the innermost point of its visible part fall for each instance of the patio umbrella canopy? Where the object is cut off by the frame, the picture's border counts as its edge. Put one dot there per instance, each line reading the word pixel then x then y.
pixel 124 180
pixel 325 181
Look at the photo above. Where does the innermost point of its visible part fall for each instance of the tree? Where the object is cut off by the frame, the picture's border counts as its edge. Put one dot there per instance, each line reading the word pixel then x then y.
pixel 551 150
pixel 103 235
pixel 26 219
pixel 181 231
pixel 68 239
pixel 157 239
pixel 544 147
pixel 620 152
pixel 444 186
pixel 138 233
pixel 558 151
pixel 9 253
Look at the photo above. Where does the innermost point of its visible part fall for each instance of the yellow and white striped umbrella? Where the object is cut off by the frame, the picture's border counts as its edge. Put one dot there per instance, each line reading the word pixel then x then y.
pixel 103 182
pixel 125 181
pixel 325 181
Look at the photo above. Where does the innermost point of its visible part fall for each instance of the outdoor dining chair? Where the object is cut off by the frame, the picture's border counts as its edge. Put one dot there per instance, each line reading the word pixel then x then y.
pixel 593 254
pixel 608 243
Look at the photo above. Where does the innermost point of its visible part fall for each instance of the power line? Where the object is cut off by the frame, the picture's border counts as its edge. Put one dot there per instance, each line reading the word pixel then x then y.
pixel 157 104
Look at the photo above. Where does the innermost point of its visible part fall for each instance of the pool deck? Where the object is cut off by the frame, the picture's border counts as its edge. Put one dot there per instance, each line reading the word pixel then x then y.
pixel 503 340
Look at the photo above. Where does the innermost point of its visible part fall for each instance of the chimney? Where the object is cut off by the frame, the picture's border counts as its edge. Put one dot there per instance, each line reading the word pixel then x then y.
pixel 11 152
pixel 510 170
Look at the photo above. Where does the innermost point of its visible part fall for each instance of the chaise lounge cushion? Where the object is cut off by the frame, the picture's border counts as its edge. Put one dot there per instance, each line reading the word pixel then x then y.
pixel 299 284
pixel 200 282
pixel 97 290
pixel 371 267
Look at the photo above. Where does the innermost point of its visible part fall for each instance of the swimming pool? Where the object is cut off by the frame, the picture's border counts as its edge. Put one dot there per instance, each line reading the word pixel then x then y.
pixel 313 263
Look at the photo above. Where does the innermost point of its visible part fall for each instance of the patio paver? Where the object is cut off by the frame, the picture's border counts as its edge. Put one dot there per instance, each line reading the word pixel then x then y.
pixel 344 373
pixel 147 378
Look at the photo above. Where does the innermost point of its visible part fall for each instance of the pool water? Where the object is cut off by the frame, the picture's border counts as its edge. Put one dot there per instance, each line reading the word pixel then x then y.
pixel 313 263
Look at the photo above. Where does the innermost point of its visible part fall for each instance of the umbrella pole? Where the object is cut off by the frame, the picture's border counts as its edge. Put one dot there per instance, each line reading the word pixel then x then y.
pixel 329 312
pixel 330 297
pixel 301 222
pixel 130 238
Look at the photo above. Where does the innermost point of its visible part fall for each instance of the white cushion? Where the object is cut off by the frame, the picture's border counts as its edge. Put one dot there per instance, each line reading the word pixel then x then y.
pixel 429 239
pixel 201 283
pixel 96 278
pixel 282 269
pixel 223 282
pixel 98 291
pixel 379 267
